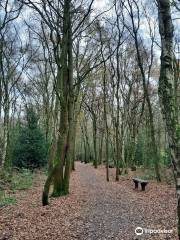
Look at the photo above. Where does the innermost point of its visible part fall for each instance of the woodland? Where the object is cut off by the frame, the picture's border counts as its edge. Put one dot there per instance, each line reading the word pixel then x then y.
pixel 89 101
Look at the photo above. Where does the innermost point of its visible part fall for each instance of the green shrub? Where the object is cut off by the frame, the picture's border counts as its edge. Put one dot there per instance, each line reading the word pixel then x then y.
pixel 31 147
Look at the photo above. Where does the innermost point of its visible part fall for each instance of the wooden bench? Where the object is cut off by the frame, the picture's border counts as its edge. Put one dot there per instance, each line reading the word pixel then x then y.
pixel 141 181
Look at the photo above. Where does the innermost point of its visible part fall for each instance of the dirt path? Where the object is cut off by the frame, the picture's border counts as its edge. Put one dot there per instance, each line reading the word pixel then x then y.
pixel 95 210
pixel 114 210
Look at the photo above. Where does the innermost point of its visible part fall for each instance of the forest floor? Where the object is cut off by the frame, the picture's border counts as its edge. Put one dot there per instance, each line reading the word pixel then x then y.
pixel 94 210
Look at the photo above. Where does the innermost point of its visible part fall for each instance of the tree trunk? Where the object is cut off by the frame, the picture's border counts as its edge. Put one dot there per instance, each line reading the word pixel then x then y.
pixel 151 118
pixel 1 74
pixel 74 143
pixel 62 90
pixel 53 147
pixel 6 129
pixel 52 153
pixel 60 154
pixel 101 148
pixel 69 152
pixel 95 161
pixel 167 94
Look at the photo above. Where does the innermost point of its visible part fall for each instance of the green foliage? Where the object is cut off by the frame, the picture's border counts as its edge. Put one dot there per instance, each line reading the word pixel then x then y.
pixel 150 175
pixel 22 180
pixel 144 151
pixel 16 180
pixel 139 156
pixel 146 173
pixel 31 147
pixel 165 158
pixel 13 137
pixel 10 182
pixel 178 131
pixel 121 164
pixel 6 200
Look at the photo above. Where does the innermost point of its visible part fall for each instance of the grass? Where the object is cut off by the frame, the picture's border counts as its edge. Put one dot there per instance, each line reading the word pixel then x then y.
pixel 7 201
pixel 18 180
pixel 22 180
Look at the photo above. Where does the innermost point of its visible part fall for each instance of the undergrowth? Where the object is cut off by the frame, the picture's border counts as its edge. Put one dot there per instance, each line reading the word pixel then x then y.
pixel 13 181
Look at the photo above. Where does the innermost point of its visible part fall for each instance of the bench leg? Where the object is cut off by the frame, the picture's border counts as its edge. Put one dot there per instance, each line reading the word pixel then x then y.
pixel 136 184
pixel 143 185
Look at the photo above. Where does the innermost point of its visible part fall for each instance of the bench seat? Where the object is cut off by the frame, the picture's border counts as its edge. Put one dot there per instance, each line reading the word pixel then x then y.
pixel 141 181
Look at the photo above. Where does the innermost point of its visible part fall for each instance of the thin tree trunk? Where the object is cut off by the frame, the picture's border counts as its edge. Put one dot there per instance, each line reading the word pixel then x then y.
pixel 5 130
pixel 151 118
pixel 95 161
pixel 74 144
pixel 101 148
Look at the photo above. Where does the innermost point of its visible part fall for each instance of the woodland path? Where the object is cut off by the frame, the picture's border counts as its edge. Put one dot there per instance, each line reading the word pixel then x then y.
pixel 94 210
